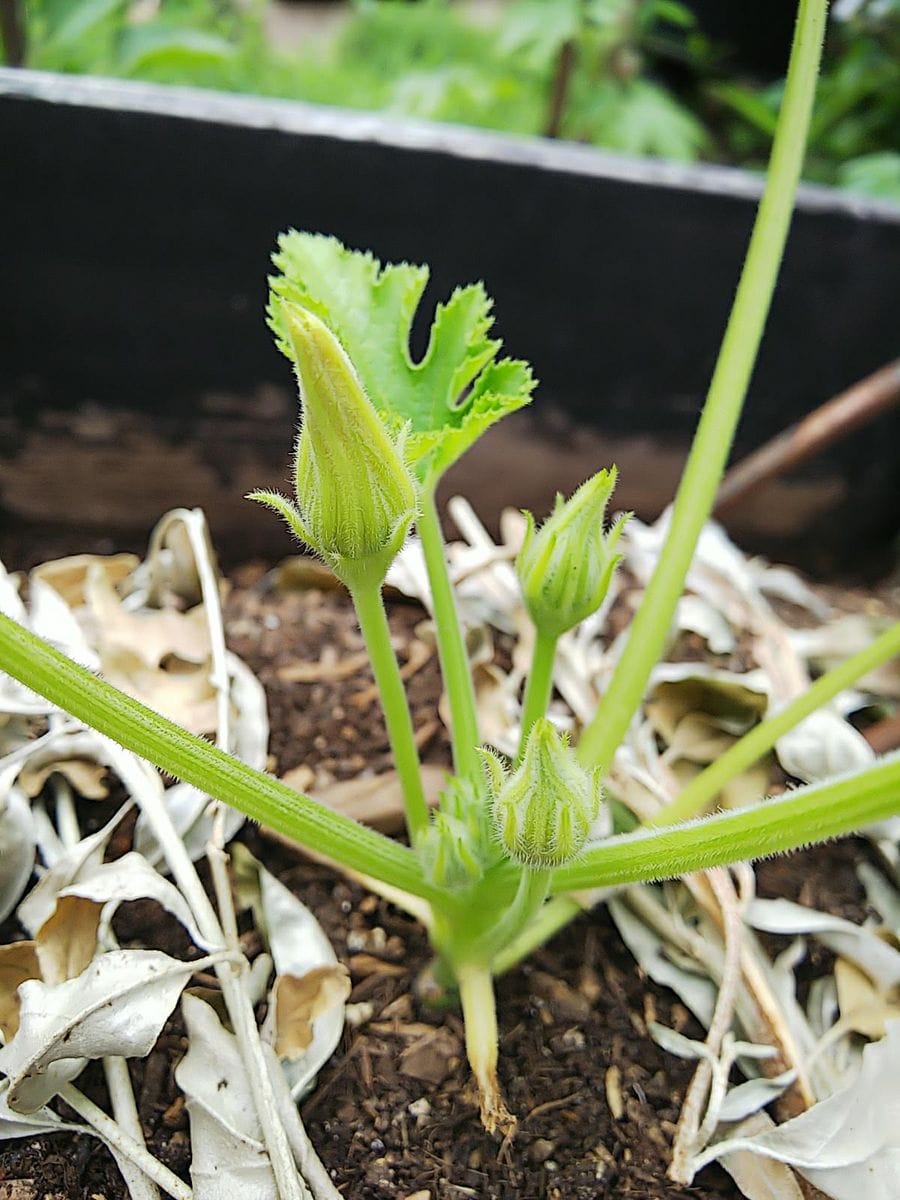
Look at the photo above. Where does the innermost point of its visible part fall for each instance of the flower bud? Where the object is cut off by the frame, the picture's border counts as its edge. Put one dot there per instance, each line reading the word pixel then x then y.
pixel 355 497
pixel 450 854
pixel 544 810
pixel 564 568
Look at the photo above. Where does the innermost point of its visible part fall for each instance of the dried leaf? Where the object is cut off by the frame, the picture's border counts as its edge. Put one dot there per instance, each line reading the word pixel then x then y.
pixel 86 856
pixel 67 941
pixel 18 962
pixel 858 944
pixel 822 746
pixel 17 842
pixel 299 945
pixel 849 1144
pixel 299 1001
pixel 229 1160
pixel 87 778
pixel 117 1006
pixel 131 877
pixel 151 635
pixel 760 1178
pixel 865 1007
pixel 68 576
pixel 377 800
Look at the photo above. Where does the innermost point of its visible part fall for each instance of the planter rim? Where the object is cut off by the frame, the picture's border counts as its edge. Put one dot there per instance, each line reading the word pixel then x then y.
pixel 352 125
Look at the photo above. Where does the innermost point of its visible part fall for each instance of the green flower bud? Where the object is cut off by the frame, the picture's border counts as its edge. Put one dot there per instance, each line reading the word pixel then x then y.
pixel 450 854
pixel 564 568
pixel 544 810
pixel 355 496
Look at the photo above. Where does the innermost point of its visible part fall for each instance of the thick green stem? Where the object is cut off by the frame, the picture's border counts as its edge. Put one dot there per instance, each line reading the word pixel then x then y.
pixel 539 686
pixel 706 786
pixel 531 893
pixel 451 645
pixel 377 634
pixel 810 814
pixel 44 669
pixel 712 443
pixel 476 993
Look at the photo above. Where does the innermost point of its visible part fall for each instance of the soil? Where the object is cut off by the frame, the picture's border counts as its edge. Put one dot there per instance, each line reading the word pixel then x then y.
pixel 393 1115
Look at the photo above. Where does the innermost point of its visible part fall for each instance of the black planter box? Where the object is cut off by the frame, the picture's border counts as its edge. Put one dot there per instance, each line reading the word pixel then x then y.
pixel 136 371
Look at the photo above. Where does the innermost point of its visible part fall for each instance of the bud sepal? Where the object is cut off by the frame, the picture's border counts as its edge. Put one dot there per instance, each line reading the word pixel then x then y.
pixel 355 495
pixel 565 567
pixel 543 810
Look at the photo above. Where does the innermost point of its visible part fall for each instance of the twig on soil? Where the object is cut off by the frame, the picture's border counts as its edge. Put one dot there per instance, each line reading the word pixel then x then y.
pixel 830 422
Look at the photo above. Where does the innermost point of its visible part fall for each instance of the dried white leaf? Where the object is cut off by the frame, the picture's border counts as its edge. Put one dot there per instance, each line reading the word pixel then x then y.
pixel 678 1044
pixel 747 1098
pixel 760 1178
pixel 696 991
pixel 299 944
pixel 788 585
pixel 822 746
pixel 857 943
pixel 131 877
pixel 17 842
pixel 117 1006
pixel 881 894
pixel 697 615
pixel 229 1160
pixel 85 857
pixel 847 1145
pixel 44 1120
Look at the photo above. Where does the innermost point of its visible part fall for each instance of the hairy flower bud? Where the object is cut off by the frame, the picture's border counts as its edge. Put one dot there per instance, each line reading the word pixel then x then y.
pixel 355 496
pixel 544 810
pixel 564 568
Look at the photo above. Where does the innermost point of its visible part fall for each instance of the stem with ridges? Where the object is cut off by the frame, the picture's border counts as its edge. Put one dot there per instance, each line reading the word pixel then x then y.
pixel 753 745
pixel 712 442
pixel 539 686
pixel 261 797
pixel 451 644
pixel 373 622
pixel 809 814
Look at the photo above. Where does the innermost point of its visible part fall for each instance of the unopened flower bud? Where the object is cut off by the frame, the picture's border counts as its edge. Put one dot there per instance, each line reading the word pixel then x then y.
pixel 450 854
pixel 355 496
pixel 565 567
pixel 544 810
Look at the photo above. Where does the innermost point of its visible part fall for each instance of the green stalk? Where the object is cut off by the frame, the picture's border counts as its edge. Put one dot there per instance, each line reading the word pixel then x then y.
pixel 451 645
pixel 261 797
pixel 373 621
pixel 476 993
pixel 539 686
pixel 694 797
pixel 547 921
pixel 712 443
pixel 809 814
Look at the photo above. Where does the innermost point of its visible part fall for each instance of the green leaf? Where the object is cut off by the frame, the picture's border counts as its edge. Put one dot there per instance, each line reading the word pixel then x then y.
pixel 445 401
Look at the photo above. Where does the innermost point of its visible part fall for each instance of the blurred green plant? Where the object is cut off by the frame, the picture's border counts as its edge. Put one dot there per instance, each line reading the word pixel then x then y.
pixel 634 76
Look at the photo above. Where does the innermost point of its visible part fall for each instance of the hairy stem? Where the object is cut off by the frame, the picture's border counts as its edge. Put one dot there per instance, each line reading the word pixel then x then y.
pixel 50 673
pixel 539 686
pixel 809 814
pixel 712 442
pixel 451 644
pixel 376 632
pixel 706 786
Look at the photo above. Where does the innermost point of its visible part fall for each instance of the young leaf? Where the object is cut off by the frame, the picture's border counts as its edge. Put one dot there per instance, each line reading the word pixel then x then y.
pixel 446 400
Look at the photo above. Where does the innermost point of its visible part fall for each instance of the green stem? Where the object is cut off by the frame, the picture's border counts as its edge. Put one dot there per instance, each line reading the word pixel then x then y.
pixel 694 797
pixel 529 898
pixel 547 921
pixel 712 443
pixel 476 993
pixel 451 645
pixel 809 814
pixel 261 797
pixel 539 686
pixel 377 634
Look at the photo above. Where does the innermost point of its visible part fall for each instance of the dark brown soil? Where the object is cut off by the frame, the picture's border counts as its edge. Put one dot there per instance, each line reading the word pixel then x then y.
pixel 393 1115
